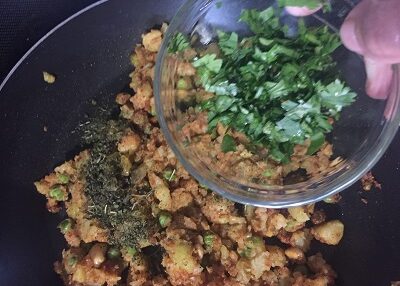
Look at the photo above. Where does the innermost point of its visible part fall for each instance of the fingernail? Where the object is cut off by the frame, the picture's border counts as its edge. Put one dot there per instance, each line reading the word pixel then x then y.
pixel 301 11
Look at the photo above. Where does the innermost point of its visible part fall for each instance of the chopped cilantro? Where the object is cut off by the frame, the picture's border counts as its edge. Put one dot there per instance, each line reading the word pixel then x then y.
pixel 209 62
pixel 260 21
pixel 228 144
pixel 277 90
pixel 317 140
pixel 207 67
pixel 178 43
pixel 228 43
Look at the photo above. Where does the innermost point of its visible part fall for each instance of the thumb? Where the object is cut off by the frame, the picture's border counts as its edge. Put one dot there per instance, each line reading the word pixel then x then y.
pixel 379 78
pixel 301 11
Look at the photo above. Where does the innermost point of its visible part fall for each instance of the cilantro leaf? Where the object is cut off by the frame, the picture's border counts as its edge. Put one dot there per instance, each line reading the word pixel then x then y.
pixel 222 88
pixel 223 103
pixel 297 111
pixel 276 89
pixel 207 66
pixel 335 96
pixel 260 21
pixel 210 62
pixel 323 123
pixel 317 140
pixel 228 43
pixel 290 128
pixel 278 155
pixel 265 42
pixel 178 43
pixel 228 144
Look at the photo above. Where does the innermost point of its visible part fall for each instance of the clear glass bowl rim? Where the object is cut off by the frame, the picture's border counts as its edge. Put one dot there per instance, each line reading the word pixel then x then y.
pixel 240 192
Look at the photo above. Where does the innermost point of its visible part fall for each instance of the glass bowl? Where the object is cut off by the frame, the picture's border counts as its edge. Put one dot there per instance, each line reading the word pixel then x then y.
pixel 360 136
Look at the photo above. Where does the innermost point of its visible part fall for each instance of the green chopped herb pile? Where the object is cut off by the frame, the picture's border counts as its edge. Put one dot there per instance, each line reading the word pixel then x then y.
pixel 278 90
pixel 109 193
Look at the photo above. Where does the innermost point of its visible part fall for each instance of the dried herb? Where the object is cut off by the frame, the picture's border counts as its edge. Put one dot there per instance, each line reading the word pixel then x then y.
pixel 110 195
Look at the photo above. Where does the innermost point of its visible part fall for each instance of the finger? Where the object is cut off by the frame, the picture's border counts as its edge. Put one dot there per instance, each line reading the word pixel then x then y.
pixel 393 98
pixel 379 78
pixel 349 37
pixel 301 11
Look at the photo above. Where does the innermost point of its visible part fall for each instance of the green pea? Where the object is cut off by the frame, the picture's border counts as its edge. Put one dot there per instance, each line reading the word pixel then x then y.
pixel 268 173
pixel 113 253
pixel 247 252
pixel 65 225
pixel 72 260
pixel 253 245
pixel 203 186
pixel 332 199
pixel 164 219
pixel 132 251
pixel 209 239
pixel 329 200
pixel 182 84
pixel 57 194
pixel 169 175
pixel 134 60
pixel 63 179
pixel 153 110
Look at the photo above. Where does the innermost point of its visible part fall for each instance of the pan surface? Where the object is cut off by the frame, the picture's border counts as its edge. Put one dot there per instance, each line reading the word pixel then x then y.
pixel 90 56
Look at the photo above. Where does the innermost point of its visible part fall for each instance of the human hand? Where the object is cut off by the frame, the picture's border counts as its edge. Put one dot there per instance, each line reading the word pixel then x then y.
pixel 372 29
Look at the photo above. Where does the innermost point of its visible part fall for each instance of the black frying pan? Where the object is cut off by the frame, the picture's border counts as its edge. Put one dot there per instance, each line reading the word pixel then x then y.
pixel 89 55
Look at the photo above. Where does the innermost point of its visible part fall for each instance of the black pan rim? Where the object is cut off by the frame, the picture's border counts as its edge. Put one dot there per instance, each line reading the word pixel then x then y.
pixel 47 35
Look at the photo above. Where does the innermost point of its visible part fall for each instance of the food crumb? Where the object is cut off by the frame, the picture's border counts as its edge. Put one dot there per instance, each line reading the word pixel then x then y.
pixel 333 199
pixel 365 201
pixel 368 181
pixel 48 77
